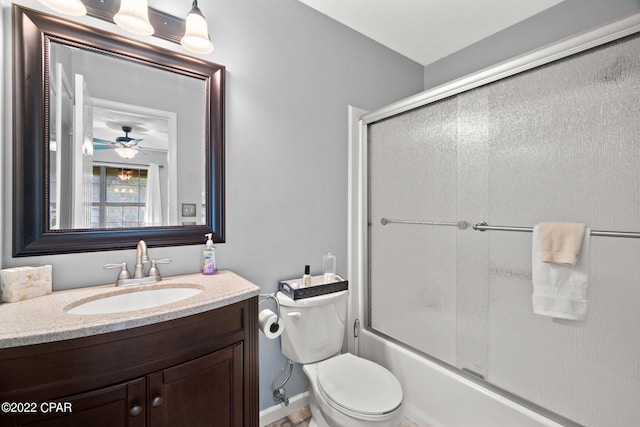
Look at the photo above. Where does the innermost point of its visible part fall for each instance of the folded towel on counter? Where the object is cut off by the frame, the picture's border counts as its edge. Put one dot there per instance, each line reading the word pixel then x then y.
pixel 560 242
pixel 560 291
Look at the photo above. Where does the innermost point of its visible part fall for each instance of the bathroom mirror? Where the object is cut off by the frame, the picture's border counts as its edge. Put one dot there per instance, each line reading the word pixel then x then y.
pixel 114 141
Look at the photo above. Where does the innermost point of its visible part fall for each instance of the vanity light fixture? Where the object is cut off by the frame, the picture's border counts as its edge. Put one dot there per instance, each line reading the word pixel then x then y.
pixel 133 16
pixel 196 35
pixel 68 7
pixel 137 17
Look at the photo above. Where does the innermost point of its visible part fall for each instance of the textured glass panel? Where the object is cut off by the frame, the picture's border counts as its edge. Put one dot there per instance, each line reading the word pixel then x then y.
pixel 472 287
pixel 564 147
pixel 413 177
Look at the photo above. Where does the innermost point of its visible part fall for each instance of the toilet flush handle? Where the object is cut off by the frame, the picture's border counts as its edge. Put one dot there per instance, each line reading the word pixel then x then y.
pixel 295 314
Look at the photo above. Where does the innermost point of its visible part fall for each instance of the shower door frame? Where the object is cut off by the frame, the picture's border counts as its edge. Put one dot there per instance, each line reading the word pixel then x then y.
pixel 358 226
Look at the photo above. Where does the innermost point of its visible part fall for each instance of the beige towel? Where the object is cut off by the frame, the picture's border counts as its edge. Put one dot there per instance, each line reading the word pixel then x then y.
pixel 560 242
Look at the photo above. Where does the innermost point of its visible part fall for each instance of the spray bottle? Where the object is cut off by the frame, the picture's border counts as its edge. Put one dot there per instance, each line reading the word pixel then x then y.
pixel 209 257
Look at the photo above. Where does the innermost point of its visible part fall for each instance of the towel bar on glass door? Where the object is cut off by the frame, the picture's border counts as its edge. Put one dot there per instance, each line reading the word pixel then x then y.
pixel 462 225
pixel 483 226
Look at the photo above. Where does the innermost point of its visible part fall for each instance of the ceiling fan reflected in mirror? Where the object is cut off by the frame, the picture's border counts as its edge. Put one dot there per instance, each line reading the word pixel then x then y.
pixel 125 146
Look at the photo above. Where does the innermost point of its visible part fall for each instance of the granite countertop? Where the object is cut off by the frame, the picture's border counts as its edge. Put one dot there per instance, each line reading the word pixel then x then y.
pixel 44 319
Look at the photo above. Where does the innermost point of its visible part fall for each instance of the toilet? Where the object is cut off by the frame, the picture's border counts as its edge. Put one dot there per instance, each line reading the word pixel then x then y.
pixel 345 390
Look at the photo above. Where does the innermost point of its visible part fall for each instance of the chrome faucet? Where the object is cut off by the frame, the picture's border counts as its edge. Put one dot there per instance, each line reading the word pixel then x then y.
pixel 142 257
pixel 139 276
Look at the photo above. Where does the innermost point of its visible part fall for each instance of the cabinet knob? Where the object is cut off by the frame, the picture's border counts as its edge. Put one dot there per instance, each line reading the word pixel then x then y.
pixel 157 401
pixel 135 411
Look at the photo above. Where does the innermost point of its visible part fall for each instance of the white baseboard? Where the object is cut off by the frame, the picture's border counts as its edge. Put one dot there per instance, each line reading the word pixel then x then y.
pixel 276 412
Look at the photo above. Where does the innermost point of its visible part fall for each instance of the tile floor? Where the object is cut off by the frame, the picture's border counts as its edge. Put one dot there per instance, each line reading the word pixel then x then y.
pixel 301 419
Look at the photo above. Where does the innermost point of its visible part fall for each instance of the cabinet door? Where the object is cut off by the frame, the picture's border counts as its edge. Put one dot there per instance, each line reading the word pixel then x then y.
pixel 203 392
pixel 114 406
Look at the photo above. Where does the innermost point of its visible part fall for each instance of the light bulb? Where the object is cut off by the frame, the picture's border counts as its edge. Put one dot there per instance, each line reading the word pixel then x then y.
pixel 196 34
pixel 133 16
pixel 126 152
pixel 69 7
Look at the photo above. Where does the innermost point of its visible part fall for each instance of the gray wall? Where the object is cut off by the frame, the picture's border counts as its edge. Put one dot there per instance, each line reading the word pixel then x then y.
pixel 291 73
pixel 561 21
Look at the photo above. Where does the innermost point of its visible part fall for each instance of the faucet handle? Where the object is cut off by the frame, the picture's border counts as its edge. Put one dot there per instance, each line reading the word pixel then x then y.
pixel 153 271
pixel 124 273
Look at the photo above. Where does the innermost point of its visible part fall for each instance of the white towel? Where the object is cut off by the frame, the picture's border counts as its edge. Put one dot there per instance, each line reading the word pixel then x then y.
pixel 560 290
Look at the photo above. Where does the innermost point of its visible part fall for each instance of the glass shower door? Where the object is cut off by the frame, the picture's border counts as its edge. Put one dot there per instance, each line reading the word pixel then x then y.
pixel 413 177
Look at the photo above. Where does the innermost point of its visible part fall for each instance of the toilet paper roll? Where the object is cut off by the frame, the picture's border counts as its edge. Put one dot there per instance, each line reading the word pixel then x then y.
pixel 267 324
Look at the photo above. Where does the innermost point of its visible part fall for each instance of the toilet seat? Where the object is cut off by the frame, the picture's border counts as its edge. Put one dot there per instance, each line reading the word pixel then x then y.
pixel 358 387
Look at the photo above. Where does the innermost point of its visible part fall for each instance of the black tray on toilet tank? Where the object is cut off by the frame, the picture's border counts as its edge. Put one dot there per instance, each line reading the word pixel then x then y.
pixel 292 288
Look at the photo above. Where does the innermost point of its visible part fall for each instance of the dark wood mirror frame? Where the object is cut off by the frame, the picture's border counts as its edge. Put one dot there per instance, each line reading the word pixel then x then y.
pixel 32 33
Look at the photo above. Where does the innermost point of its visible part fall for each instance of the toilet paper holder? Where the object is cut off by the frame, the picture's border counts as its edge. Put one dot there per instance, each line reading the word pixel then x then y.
pixel 264 297
pixel 279 392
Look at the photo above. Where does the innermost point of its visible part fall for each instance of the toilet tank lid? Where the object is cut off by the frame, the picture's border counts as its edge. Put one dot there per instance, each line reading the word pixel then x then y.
pixel 359 385
pixel 312 301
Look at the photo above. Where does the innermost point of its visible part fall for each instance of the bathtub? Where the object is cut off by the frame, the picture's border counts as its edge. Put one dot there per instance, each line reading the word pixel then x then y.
pixel 438 397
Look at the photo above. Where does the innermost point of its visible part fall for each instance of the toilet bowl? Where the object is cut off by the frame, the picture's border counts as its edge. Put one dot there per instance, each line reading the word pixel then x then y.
pixel 345 390
pixel 350 391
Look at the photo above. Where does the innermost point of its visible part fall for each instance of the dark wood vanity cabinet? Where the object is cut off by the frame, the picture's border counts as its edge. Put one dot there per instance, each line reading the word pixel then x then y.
pixel 104 407
pixel 200 370
pixel 204 392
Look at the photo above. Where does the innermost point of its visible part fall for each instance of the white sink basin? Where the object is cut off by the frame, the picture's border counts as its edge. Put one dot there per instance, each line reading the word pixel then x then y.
pixel 136 300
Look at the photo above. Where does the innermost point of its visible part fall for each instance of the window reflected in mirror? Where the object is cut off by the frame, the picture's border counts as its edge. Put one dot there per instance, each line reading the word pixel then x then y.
pixel 119 197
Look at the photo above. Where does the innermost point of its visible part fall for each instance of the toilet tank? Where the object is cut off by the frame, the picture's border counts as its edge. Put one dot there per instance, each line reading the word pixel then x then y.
pixel 313 327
